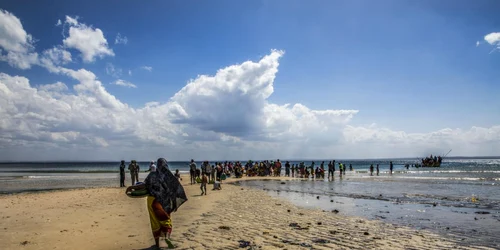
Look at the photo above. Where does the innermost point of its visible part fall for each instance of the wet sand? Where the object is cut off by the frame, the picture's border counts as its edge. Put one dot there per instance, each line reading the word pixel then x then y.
pixel 105 218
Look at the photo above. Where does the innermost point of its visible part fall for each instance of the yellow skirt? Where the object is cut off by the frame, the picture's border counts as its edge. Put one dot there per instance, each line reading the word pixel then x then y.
pixel 160 220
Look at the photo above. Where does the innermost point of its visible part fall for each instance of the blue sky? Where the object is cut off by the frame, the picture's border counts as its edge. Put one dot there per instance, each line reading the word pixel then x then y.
pixel 405 65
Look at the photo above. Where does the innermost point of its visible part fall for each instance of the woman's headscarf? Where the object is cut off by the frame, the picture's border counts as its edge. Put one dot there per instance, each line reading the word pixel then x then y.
pixel 167 189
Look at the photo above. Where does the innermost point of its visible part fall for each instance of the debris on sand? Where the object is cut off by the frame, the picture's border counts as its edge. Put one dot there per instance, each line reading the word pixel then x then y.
pixel 244 243
pixel 224 227
pixel 320 241
pixel 482 212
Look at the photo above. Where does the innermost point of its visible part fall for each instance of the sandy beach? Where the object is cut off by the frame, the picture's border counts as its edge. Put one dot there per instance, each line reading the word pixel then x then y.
pixel 105 218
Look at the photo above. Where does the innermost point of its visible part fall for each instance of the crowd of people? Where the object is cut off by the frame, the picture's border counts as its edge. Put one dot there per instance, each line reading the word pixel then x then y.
pixel 165 195
pixel 432 160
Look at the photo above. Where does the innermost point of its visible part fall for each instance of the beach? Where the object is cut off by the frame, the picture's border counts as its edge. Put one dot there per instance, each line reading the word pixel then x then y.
pixel 105 218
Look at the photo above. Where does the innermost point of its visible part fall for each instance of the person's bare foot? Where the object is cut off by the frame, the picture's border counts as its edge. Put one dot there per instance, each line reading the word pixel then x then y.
pixel 162 243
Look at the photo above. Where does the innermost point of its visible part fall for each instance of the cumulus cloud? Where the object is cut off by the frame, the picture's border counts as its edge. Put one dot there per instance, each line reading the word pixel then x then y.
pixel 124 83
pixel 17 44
pixel 13 37
pixel 493 39
pixel 88 40
pixel 226 115
pixel 119 39
pixel 234 102
pixel 147 68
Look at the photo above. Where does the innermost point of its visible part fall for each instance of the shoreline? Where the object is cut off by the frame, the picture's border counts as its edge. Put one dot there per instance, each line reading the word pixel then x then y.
pixel 105 218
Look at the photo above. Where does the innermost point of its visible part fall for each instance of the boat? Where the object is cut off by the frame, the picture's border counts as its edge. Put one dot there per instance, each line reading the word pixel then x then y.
pixel 433 161
pixel 431 164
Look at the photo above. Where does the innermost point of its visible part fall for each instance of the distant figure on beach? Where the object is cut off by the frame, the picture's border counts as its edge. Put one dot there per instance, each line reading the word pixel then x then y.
pixel 371 170
pixel 377 170
pixel 287 169
pixel 390 167
pixel 331 169
pixel 132 167
pixel 208 170
pixel 212 173
pixel 152 167
pixel 341 168
pixel 311 170
pixel 122 174
pixel 350 166
pixel 322 169
pixel 204 182
pixel 192 172
pixel 166 195
pixel 137 170
pixel 178 175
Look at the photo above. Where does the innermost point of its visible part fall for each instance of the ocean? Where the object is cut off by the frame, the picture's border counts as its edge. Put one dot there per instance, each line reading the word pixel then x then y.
pixel 460 199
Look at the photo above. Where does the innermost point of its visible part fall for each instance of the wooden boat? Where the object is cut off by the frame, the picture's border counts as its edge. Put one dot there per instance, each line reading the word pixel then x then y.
pixel 433 162
pixel 431 165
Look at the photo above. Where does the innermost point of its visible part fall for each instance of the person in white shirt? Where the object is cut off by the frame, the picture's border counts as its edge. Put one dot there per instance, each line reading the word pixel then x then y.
pixel 152 167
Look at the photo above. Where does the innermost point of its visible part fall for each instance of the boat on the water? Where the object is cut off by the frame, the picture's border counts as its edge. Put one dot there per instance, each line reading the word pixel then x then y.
pixel 431 164
pixel 432 161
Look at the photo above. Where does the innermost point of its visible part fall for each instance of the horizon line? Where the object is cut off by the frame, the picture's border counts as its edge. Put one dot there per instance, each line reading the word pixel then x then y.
pixel 284 159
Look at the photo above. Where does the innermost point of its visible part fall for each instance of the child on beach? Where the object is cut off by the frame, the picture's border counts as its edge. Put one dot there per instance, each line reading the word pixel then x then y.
pixel 204 181
pixel 178 175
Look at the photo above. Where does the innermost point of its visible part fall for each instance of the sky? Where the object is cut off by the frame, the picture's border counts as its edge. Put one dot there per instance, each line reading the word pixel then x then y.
pixel 238 80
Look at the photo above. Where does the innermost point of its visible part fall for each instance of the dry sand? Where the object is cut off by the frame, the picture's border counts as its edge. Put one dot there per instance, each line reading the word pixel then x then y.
pixel 105 218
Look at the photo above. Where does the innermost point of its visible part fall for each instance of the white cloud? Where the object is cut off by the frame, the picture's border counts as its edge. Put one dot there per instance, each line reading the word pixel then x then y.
pixel 124 83
pixel 57 55
pixel 121 39
pixel 13 37
pixel 227 115
pixel 148 68
pixel 59 23
pixel 129 72
pixel 86 39
pixel 493 38
pixel 113 71
pixel 16 42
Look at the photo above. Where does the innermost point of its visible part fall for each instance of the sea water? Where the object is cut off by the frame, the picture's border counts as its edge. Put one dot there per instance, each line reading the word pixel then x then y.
pixel 460 200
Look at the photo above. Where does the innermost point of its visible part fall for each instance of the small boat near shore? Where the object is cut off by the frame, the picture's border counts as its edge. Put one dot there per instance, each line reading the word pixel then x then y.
pixel 432 161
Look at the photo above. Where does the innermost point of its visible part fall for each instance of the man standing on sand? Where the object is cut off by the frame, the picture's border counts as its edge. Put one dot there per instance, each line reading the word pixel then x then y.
pixel 122 174
pixel 137 170
pixel 287 169
pixel 132 168
pixel 192 172
pixel 390 167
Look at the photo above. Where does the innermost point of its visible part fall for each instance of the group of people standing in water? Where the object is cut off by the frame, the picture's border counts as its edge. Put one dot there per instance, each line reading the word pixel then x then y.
pixel 165 193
